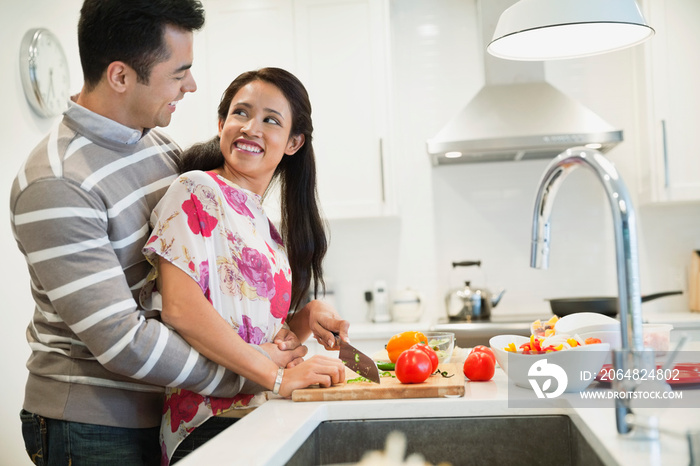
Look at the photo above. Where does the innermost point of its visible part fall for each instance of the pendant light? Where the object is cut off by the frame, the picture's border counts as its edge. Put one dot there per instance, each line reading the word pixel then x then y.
pixel 538 30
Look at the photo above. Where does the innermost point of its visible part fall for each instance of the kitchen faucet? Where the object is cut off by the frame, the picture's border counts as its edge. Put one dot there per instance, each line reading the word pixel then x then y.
pixel 632 354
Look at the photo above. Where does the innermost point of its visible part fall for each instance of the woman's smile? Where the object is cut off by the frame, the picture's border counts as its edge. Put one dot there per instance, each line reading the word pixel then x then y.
pixel 247 146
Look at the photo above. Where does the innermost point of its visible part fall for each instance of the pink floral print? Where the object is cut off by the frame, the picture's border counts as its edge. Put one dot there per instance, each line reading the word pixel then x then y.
pixel 249 332
pixel 219 235
pixel 182 405
pixel 256 270
pixel 234 197
pixel 275 234
pixel 221 405
pixel 279 305
pixel 198 220
pixel 204 276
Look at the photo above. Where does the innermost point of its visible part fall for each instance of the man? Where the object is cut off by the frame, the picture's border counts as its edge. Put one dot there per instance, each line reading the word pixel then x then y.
pixel 80 207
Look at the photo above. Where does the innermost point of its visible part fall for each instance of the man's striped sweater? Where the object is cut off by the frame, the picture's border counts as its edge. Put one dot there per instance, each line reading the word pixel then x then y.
pixel 80 207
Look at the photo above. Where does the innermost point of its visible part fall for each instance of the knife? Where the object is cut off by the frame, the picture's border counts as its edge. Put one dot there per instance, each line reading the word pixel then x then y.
pixel 357 361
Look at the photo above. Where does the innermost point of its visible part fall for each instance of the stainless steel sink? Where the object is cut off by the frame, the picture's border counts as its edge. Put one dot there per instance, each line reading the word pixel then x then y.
pixel 541 439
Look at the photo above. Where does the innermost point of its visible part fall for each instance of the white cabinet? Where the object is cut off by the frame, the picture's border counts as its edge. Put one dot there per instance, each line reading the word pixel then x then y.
pixel 342 56
pixel 339 50
pixel 670 164
pixel 242 36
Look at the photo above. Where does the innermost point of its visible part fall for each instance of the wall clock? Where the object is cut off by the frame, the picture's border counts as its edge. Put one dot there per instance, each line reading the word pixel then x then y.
pixel 44 72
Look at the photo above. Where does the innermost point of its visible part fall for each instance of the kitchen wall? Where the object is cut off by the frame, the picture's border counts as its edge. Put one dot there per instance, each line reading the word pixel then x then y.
pixel 444 214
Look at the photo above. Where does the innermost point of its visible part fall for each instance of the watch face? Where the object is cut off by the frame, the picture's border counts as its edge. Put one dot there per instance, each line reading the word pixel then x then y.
pixel 44 72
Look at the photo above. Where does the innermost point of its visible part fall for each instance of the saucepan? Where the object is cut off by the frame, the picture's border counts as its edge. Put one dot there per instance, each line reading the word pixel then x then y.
pixel 605 305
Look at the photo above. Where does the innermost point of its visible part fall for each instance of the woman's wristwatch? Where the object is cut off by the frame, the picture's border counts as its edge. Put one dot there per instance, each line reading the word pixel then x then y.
pixel 278 381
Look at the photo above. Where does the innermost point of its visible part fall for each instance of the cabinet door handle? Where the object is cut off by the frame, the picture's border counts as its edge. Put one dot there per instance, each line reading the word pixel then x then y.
pixel 667 180
pixel 381 168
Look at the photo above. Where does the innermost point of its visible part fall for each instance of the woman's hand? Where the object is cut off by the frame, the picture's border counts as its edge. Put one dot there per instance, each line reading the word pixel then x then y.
pixel 320 370
pixel 324 322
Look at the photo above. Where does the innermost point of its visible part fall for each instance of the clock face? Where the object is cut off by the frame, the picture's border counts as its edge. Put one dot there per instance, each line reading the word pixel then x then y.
pixel 44 71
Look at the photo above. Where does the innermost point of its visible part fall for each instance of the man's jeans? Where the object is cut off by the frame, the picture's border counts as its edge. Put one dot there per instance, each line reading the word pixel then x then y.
pixel 51 442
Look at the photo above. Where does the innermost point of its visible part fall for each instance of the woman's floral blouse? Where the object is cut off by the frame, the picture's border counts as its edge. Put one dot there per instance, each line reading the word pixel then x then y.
pixel 219 235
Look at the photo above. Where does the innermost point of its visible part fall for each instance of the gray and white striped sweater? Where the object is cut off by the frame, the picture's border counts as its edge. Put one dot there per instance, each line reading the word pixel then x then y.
pixel 80 207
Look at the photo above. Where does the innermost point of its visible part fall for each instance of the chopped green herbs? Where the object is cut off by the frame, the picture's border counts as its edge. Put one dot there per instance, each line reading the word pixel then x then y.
pixel 358 379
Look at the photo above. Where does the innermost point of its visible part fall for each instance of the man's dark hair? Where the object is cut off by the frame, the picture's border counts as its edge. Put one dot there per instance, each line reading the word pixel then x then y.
pixel 131 31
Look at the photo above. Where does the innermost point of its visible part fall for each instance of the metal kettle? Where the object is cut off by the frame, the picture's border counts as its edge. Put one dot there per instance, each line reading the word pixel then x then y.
pixel 468 303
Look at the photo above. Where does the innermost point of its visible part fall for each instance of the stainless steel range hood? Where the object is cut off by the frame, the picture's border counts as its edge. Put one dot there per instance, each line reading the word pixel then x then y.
pixel 517 115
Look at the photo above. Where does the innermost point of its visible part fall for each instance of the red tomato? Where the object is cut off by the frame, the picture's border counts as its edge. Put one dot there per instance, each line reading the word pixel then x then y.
pixel 484 349
pixel 413 366
pixel 479 367
pixel 431 354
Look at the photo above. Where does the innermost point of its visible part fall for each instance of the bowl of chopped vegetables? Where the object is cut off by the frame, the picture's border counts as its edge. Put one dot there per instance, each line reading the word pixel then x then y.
pixel 443 343
pixel 580 359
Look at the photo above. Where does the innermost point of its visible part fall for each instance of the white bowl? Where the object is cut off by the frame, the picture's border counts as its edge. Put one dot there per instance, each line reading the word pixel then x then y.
pixel 581 364
pixel 583 322
pixel 612 337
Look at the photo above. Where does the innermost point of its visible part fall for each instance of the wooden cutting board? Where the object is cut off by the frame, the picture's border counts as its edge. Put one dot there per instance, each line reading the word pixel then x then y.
pixel 436 386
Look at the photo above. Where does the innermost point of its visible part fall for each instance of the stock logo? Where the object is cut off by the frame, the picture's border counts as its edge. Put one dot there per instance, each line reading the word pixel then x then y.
pixel 546 372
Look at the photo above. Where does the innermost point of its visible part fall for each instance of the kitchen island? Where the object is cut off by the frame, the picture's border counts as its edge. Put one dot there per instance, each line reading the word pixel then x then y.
pixel 272 433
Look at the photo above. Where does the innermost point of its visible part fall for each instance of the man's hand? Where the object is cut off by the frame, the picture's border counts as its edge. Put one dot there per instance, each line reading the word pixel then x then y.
pixel 286 340
pixel 285 351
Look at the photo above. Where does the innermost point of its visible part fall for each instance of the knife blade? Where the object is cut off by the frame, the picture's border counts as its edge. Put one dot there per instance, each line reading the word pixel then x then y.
pixel 357 361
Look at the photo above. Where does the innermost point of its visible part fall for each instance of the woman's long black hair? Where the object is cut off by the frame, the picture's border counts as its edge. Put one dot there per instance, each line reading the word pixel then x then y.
pixel 302 228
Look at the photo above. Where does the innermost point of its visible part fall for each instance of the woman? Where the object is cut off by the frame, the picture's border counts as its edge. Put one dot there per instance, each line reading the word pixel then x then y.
pixel 224 273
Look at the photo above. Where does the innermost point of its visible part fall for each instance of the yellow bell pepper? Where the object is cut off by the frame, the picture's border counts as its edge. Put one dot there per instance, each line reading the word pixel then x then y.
pixel 511 348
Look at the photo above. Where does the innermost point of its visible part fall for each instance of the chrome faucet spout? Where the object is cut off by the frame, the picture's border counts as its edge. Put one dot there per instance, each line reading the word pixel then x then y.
pixel 624 224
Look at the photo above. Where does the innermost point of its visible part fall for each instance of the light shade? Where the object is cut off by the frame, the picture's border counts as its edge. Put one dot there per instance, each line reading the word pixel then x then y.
pixel 556 29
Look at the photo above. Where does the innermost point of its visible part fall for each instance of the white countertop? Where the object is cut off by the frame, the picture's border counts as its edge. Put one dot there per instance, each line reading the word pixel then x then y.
pixel 680 320
pixel 271 434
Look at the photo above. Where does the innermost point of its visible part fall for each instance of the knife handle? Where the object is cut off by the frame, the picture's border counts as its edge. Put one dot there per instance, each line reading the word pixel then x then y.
pixel 337 339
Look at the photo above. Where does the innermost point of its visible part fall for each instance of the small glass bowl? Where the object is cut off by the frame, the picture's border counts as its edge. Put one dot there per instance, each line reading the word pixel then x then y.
pixel 443 343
